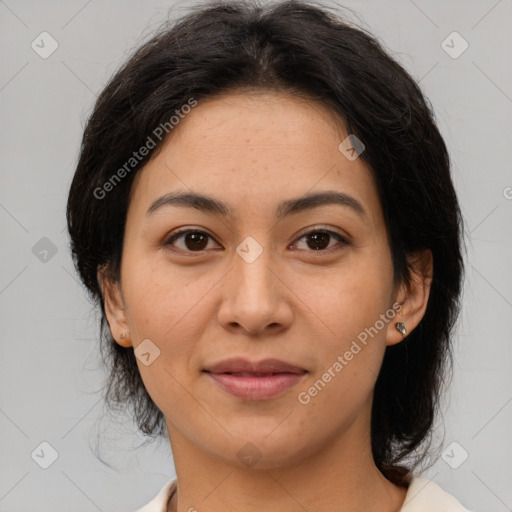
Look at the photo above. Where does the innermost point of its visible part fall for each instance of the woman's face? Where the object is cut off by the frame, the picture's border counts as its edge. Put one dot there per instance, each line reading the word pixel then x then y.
pixel 254 285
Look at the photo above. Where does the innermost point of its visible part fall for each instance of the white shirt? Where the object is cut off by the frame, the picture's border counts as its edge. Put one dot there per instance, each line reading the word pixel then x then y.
pixel 423 495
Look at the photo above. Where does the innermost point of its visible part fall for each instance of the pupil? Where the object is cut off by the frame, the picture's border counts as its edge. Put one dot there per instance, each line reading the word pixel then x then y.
pixel 321 239
pixel 193 241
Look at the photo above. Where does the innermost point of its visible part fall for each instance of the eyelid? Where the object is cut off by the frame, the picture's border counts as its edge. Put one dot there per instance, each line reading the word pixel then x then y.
pixel 324 229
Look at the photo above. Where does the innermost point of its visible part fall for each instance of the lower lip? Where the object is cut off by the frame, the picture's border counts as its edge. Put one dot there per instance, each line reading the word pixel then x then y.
pixel 256 387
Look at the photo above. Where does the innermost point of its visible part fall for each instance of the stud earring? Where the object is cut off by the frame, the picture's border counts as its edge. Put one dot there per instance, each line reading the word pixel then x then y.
pixel 401 327
pixel 123 336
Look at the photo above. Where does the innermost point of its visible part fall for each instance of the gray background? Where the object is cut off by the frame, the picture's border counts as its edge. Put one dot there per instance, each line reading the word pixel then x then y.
pixel 50 380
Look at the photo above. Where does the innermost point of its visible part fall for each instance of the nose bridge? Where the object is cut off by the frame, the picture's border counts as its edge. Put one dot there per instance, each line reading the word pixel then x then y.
pixel 251 299
pixel 252 272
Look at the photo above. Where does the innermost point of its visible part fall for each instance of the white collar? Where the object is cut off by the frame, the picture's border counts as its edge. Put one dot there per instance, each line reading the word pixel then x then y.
pixel 423 495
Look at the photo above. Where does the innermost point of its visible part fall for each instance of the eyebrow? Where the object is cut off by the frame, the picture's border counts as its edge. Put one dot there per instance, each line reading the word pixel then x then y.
pixel 289 207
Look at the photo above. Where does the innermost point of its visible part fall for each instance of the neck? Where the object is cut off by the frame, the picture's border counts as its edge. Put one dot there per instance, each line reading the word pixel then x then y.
pixel 340 476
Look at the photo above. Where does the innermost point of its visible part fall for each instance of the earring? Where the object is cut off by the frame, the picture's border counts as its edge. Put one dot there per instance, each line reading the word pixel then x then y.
pixel 123 336
pixel 401 327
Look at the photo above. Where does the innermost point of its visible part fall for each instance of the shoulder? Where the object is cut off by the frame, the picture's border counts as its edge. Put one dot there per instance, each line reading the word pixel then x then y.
pixel 159 502
pixel 424 495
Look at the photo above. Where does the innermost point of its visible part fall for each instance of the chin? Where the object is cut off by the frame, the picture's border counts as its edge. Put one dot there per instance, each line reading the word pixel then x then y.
pixel 257 450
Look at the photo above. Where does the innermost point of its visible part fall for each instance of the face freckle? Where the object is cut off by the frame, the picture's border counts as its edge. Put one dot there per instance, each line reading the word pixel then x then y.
pixel 302 306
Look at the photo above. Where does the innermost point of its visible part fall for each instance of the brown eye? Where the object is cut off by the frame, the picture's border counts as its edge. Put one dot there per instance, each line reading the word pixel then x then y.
pixel 320 240
pixel 192 240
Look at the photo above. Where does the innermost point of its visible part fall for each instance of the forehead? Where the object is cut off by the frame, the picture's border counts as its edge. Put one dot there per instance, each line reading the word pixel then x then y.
pixel 259 119
pixel 252 149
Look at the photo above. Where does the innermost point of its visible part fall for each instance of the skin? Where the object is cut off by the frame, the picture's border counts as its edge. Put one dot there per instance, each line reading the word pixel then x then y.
pixel 294 303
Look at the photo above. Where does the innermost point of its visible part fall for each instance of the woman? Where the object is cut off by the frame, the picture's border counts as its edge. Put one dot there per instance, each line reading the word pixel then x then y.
pixel 264 211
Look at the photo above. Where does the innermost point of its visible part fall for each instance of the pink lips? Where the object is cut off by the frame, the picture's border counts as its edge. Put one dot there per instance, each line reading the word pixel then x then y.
pixel 255 381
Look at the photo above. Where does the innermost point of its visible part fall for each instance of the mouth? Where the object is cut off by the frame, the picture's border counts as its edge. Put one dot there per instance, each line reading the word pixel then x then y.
pixel 256 386
pixel 255 381
pixel 240 365
pixel 249 374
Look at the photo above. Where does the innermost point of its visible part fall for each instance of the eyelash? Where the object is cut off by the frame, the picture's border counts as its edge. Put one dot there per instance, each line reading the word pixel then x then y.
pixel 341 240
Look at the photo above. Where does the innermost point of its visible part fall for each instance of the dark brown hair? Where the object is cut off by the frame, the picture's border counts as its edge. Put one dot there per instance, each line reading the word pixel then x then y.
pixel 302 48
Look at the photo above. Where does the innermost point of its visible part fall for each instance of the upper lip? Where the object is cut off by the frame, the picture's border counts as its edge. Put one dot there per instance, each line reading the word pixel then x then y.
pixel 240 365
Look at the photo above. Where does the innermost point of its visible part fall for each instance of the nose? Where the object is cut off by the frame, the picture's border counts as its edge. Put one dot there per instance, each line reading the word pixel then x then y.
pixel 255 297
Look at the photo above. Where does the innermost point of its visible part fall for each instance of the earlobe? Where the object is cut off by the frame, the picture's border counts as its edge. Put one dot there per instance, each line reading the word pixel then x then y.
pixel 114 308
pixel 413 297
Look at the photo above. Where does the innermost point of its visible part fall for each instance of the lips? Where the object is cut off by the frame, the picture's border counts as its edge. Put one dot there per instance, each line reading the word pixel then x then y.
pixel 262 380
pixel 243 366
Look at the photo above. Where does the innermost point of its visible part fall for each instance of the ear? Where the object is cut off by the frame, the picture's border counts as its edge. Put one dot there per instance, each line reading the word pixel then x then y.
pixel 413 298
pixel 114 307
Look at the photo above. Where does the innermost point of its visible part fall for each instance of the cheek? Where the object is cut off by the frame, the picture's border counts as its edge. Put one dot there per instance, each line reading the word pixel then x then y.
pixel 170 307
pixel 345 308
pixel 165 307
pixel 161 298
pixel 346 299
pixel 352 345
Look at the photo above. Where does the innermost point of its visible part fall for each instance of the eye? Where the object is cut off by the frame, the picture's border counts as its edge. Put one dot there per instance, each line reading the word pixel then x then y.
pixel 193 240
pixel 319 240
